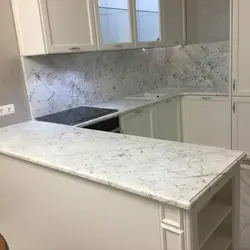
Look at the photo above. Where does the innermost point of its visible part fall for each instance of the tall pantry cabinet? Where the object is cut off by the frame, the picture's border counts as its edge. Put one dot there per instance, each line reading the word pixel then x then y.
pixel 240 75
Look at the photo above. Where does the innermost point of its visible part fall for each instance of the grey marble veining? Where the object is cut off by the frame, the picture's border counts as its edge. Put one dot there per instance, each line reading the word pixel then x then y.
pixel 169 172
pixel 198 65
pixel 59 82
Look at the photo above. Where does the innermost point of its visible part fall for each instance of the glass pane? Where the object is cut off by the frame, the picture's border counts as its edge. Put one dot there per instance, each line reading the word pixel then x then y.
pixel 148 20
pixel 115 21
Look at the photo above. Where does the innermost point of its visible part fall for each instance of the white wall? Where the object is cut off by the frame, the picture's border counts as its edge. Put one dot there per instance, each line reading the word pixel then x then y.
pixel 12 87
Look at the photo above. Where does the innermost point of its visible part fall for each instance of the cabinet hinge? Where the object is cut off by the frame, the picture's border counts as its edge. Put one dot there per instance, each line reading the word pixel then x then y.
pixel 234 84
pixel 234 107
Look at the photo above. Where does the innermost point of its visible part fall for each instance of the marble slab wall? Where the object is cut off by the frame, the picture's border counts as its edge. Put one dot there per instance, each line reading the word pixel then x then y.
pixel 198 65
pixel 59 82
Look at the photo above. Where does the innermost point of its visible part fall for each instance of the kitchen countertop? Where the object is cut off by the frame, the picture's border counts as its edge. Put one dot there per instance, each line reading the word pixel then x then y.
pixel 125 105
pixel 170 172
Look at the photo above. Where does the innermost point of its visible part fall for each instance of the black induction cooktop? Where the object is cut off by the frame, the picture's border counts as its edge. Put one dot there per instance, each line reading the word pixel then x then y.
pixel 76 115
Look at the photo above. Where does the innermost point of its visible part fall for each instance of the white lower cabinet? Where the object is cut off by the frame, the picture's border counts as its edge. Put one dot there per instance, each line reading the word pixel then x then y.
pixel 241 124
pixel 161 121
pixel 206 121
pixel 167 120
pixel 138 123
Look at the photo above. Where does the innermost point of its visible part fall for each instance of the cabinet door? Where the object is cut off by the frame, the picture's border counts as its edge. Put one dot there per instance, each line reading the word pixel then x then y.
pixel 114 24
pixel 206 121
pixel 241 124
pixel 68 25
pixel 166 120
pixel 174 21
pixel 149 23
pixel 240 43
pixel 138 123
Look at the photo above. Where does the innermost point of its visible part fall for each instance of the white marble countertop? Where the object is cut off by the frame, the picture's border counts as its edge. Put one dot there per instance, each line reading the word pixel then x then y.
pixel 170 172
pixel 125 105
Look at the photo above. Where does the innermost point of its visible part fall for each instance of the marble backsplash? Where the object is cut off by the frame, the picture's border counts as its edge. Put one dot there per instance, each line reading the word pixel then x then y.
pixel 198 65
pixel 59 82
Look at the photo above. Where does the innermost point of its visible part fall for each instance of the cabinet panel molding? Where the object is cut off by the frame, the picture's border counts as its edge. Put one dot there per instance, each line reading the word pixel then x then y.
pixel 240 47
pixel 174 238
pixel 138 123
pixel 171 216
pixel 50 26
pixel 167 122
pixel 77 18
pixel 241 124
pixel 174 12
pixel 206 120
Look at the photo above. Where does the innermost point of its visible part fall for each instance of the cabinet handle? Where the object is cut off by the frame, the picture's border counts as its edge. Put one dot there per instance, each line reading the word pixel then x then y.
pixel 137 112
pixel 206 98
pixel 118 46
pixel 168 100
pixel 151 44
pixel 74 48
pixel 234 108
pixel 234 81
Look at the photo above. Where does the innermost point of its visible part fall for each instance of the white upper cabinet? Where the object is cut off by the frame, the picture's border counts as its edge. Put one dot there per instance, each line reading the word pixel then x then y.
pixel 241 124
pixel 240 43
pixel 148 18
pixel 54 26
pixel 114 21
pixel 174 21
pixel 206 121
pixel 67 26
pixel 77 19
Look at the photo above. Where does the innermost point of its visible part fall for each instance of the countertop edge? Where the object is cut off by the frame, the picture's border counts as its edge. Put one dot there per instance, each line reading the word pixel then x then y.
pixel 180 204
pixel 217 178
pixel 153 102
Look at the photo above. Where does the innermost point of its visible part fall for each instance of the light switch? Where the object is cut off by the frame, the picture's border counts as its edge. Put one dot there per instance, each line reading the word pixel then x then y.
pixel 7 109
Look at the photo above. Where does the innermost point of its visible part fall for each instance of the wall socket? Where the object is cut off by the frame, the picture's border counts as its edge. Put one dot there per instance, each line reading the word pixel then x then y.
pixel 7 109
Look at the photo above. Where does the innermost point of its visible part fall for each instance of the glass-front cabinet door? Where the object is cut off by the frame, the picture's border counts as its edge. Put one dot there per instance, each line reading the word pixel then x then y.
pixel 114 24
pixel 149 23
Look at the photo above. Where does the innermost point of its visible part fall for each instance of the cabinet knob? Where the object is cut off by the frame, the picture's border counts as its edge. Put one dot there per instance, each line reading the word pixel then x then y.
pixel 74 48
pixel 206 98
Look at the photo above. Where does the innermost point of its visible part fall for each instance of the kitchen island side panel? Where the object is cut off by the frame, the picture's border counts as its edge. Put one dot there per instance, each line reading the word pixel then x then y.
pixel 43 208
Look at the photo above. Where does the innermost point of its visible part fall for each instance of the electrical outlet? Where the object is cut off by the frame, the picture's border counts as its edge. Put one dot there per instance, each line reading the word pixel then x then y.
pixel 7 109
